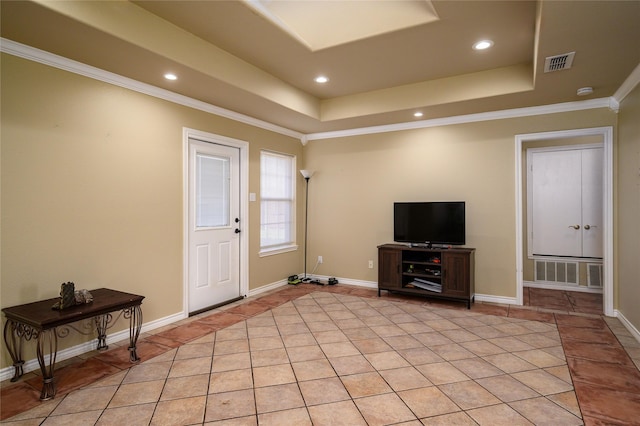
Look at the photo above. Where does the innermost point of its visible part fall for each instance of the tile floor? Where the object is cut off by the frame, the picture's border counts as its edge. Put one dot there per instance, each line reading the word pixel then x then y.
pixel 340 355
pixel 560 300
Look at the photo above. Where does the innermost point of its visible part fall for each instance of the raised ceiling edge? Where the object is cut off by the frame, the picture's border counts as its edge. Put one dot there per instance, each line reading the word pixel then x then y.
pixel 60 62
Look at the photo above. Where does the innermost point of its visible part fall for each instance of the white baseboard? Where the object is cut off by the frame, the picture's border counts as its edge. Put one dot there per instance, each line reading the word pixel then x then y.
pixel 627 324
pixel 267 287
pixel 358 283
pixel 32 364
pixel 565 287
pixel 488 298
pixel 154 324
pixel 348 281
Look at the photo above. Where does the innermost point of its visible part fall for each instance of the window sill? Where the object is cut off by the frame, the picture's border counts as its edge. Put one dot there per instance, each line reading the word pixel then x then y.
pixel 277 250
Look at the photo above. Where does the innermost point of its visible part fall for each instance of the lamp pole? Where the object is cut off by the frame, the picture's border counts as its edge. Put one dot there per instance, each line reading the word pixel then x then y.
pixel 307 175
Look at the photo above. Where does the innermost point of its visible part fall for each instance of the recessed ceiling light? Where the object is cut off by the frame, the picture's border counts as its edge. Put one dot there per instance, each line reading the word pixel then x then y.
pixel 170 76
pixel 418 114
pixel 483 44
pixel 321 79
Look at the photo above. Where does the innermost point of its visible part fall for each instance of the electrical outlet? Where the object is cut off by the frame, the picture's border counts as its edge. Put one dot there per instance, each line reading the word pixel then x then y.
pixel 371 264
pixel 319 259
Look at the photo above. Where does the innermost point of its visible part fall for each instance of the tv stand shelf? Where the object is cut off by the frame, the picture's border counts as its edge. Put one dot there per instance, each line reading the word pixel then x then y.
pixel 443 273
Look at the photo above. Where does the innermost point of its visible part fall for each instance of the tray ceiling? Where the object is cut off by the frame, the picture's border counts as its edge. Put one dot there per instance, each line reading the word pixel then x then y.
pixel 399 58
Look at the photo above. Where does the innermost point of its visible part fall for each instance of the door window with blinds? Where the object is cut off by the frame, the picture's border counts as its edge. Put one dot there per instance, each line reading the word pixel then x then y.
pixel 212 191
pixel 277 202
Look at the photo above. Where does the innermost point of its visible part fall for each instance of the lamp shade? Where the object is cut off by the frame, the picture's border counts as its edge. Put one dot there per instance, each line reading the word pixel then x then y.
pixel 306 173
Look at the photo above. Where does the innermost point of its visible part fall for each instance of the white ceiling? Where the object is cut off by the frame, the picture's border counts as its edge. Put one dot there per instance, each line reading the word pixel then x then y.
pixel 230 55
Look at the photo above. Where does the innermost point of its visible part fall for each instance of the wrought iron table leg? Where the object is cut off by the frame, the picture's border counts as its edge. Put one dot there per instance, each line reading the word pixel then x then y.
pixel 13 332
pixel 102 324
pixel 135 324
pixel 47 342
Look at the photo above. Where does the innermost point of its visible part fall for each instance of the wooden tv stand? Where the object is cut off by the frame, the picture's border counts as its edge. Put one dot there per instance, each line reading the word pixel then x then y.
pixel 430 272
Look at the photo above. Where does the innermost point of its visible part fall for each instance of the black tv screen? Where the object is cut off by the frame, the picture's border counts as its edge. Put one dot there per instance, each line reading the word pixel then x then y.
pixel 441 222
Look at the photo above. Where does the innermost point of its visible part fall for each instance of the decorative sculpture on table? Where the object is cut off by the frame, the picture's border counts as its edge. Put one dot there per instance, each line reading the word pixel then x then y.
pixel 69 296
pixel 83 296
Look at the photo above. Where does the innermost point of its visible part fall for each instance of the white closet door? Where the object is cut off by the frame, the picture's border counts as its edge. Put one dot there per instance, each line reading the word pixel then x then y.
pixel 592 202
pixel 566 202
pixel 556 203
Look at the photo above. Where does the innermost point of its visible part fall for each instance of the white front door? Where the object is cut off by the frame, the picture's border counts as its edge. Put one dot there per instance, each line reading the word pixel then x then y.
pixel 214 224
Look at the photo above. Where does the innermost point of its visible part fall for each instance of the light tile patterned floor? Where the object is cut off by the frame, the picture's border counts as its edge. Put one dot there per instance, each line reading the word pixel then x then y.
pixel 332 357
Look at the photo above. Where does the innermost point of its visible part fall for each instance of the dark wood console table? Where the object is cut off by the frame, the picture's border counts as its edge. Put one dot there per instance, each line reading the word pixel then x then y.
pixel 38 321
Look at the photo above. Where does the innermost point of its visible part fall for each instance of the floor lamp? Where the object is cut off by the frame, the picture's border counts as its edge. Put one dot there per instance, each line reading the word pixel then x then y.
pixel 307 175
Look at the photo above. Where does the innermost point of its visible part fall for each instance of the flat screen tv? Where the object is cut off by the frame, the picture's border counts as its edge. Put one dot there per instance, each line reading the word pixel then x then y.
pixel 441 222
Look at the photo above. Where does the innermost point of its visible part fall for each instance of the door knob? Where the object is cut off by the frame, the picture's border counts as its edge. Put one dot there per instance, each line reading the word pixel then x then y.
pixel 574 226
pixel 237 231
pixel 589 226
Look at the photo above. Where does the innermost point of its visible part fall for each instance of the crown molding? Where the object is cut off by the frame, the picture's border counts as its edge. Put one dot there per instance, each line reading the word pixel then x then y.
pixel 60 62
pixel 56 61
pixel 629 84
pixel 472 118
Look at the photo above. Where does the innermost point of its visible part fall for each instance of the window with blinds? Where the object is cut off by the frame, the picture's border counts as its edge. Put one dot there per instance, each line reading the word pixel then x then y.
pixel 277 202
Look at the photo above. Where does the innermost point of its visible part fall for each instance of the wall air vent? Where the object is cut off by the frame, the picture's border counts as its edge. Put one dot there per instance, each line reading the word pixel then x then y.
pixel 556 272
pixel 594 275
pixel 558 62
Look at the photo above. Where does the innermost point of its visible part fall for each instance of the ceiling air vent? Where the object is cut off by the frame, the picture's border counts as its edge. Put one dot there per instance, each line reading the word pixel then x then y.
pixel 558 62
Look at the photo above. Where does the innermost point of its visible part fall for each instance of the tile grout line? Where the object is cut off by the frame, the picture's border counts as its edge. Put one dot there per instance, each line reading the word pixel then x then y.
pixel 290 299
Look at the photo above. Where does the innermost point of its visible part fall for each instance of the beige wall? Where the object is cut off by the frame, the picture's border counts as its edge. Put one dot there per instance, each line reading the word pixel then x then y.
pixel 92 190
pixel 628 212
pixel 358 178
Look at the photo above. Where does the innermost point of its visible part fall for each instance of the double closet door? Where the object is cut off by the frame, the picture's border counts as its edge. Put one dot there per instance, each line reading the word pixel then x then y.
pixel 565 196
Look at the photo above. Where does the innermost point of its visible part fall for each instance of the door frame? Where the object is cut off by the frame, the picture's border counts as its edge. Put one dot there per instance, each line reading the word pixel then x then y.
pixel 607 208
pixel 243 147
